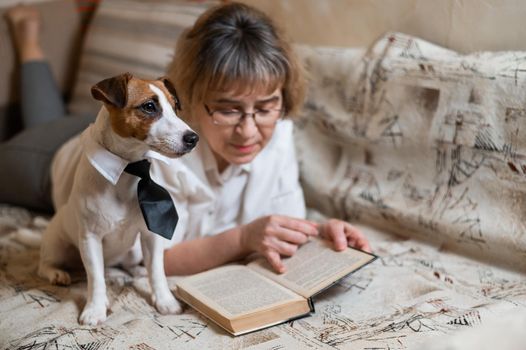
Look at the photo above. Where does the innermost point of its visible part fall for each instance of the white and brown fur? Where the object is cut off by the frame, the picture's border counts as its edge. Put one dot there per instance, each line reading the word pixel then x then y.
pixel 104 220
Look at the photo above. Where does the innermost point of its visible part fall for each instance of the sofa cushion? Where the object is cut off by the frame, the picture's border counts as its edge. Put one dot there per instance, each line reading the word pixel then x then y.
pixel 136 36
pixel 420 140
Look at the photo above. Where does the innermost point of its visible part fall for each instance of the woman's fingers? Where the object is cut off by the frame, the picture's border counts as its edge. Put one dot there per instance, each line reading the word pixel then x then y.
pixel 294 231
pixel 343 234
pixel 285 248
pixel 278 249
pixel 274 260
pixel 307 227
pixel 356 238
pixel 291 236
pixel 334 230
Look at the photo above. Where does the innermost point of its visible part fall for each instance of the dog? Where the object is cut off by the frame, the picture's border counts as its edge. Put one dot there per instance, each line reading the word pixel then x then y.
pixel 102 220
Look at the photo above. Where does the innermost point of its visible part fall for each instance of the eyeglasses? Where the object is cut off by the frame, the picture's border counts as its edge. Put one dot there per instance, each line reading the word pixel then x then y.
pixel 262 117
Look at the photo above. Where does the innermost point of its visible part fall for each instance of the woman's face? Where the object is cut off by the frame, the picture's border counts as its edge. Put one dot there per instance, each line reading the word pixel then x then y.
pixel 241 143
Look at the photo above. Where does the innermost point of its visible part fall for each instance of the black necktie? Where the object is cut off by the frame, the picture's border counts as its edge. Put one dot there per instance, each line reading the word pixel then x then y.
pixel 156 204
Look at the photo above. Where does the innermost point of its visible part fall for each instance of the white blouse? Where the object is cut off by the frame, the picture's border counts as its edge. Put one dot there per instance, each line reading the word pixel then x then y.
pixel 207 202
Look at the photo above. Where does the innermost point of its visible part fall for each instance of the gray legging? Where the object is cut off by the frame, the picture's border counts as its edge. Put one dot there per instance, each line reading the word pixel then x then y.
pixel 25 159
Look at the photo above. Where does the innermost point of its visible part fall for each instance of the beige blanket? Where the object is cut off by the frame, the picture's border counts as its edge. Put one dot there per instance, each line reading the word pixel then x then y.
pixel 415 293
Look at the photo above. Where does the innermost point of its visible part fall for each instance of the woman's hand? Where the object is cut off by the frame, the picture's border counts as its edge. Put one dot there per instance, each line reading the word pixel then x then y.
pixel 275 235
pixel 343 234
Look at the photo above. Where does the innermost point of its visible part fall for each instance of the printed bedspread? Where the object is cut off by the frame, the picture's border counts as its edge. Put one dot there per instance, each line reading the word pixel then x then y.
pixel 415 296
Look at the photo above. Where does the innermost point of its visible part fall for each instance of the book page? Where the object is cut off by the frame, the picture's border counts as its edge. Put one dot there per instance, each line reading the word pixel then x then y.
pixel 235 290
pixel 314 267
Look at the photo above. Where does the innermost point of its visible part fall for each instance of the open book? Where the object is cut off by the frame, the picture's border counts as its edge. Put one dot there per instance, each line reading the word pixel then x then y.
pixel 245 298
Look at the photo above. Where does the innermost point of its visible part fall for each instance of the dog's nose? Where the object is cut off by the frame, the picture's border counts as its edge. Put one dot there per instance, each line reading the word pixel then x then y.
pixel 190 139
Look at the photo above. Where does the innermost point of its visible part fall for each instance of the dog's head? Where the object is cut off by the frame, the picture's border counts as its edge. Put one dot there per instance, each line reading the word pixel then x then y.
pixel 146 110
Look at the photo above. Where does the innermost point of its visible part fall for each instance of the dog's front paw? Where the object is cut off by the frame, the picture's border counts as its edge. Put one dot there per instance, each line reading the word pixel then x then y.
pixel 167 305
pixel 93 314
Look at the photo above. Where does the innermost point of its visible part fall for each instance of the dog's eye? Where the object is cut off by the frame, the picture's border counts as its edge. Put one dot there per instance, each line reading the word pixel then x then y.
pixel 149 107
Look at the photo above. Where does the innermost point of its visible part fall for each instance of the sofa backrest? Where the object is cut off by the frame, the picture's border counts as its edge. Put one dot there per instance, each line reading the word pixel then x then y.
pixel 450 23
pixel 418 139
pixel 462 25
pixel 135 36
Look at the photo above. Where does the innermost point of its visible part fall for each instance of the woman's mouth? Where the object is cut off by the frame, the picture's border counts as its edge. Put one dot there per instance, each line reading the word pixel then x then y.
pixel 244 148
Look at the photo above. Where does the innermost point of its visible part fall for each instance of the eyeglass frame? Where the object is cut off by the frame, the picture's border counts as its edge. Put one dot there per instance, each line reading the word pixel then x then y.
pixel 243 115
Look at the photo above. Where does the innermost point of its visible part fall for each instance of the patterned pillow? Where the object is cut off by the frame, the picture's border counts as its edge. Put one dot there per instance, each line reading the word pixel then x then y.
pixel 421 140
pixel 136 36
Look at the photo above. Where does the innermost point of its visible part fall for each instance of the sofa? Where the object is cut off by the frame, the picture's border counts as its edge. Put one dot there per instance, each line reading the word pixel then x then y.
pixel 406 132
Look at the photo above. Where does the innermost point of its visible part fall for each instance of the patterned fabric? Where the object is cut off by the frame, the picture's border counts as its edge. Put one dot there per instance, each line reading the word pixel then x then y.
pixel 136 36
pixel 422 141
pixel 414 296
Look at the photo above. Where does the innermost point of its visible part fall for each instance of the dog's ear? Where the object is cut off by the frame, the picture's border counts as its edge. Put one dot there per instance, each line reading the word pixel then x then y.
pixel 171 89
pixel 113 90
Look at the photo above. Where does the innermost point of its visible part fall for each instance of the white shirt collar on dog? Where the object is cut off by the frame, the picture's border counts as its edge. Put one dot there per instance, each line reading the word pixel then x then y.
pixel 108 164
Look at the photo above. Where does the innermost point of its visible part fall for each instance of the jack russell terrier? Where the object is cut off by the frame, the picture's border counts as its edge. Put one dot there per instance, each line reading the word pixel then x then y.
pixel 102 215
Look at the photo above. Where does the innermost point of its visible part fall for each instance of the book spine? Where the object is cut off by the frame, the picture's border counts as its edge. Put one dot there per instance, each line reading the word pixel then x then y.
pixel 311 305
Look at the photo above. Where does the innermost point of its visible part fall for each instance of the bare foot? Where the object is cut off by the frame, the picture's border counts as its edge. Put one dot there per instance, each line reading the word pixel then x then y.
pixel 25 26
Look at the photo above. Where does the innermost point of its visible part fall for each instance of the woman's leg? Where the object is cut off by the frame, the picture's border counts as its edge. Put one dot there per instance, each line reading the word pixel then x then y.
pixel 26 158
pixel 25 162
pixel 41 100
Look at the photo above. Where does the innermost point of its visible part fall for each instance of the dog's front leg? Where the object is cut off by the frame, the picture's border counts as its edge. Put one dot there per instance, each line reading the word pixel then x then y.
pixel 90 247
pixel 162 297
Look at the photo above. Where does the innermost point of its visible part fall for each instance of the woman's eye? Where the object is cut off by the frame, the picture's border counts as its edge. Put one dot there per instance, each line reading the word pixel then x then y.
pixel 149 107
pixel 263 112
pixel 229 112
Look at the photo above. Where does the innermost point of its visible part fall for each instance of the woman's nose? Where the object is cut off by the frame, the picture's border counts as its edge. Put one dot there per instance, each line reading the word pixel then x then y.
pixel 247 126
